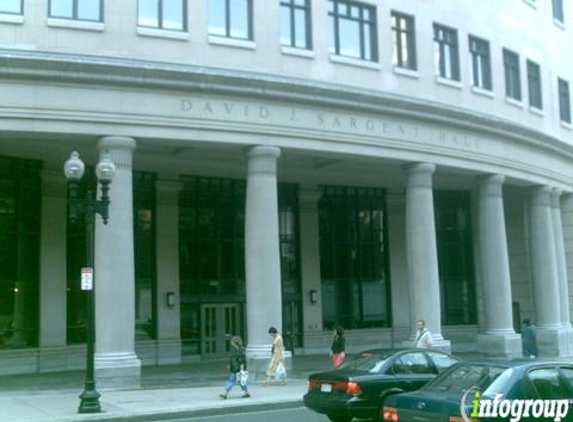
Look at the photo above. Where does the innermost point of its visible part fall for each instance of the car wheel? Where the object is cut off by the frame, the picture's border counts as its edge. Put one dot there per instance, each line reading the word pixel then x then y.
pixel 339 418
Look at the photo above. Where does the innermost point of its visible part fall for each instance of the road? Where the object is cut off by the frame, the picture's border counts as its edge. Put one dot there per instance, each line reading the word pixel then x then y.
pixel 300 414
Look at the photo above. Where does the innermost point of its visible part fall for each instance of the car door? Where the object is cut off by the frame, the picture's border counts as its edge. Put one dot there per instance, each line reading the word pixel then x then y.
pixel 412 370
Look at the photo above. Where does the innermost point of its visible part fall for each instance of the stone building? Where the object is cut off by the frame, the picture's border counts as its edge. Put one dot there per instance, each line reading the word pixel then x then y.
pixel 296 163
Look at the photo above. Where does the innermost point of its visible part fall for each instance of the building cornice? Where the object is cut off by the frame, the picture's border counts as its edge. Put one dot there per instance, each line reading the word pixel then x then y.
pixel 111 71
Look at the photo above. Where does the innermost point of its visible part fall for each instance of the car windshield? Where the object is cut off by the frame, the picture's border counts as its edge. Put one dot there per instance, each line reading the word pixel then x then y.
pixel 366 362
pixel 466 376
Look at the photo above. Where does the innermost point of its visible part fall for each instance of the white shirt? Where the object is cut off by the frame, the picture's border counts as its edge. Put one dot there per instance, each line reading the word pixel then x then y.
pixel 424 339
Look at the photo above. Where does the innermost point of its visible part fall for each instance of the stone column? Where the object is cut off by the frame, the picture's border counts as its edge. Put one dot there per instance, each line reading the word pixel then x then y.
pixel 563 282
pixel 551 341
pixel 422 254
pixel 310 268
pixel 53 279
pixel 116 364
pixel 499 338
pixel 262 259
pixel 167 247
pixel 402 323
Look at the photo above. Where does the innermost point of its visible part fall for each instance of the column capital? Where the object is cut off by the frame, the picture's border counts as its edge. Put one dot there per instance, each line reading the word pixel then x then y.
pixel 263 160
pixel 556 197
pixel 540 195
pixel 490 185
pixel 267 151
pixel 419 174
pixel 120 149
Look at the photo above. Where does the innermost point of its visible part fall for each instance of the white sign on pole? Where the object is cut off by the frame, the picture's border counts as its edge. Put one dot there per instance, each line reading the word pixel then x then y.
pixel 87 278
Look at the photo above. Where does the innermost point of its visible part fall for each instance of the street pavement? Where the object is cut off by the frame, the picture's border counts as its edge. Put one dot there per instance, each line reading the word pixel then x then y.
pixel 167 392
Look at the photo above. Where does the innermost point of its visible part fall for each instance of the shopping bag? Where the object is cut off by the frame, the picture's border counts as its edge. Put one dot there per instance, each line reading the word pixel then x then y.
pixel 281 372
pixel 242 377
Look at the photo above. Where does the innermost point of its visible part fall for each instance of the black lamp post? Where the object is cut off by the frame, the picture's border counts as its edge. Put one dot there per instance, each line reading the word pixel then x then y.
pixel 89 207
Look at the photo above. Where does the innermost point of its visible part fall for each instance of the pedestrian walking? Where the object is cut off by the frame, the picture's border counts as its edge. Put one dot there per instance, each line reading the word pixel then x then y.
pixel 423 336
pixel 529 339
pixel 276 369
pixel 237 368
pixel 338 347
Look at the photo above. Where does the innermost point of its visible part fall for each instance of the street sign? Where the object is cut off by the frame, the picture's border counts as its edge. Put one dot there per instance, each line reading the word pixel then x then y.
pixel 87 278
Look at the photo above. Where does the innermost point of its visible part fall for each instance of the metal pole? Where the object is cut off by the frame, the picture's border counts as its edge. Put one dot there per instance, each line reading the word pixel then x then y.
pixel 90 397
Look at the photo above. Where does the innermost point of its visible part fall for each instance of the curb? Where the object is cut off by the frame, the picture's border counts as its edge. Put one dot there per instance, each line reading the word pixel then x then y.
pixel 185 414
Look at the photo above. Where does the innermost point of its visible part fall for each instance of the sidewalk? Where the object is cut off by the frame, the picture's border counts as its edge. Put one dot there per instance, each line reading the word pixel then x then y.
pixel 167 392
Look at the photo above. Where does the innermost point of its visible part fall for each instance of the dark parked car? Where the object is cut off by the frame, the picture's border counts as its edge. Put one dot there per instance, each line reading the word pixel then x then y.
pixel 526 379
pixel 358 388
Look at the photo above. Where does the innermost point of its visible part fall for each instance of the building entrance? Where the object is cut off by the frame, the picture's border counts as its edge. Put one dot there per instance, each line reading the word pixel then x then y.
pixel 218 323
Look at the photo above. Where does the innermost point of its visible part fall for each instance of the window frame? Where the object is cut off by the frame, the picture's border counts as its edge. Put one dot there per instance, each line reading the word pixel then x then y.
pixel 564 95
pixel 373 35
pixel 293 7
pixel 20 13
pixel 453 58
pixel 558 12
pixel 481 63
pixel 74 4
pixel 511 71
pixel 159 15
pixel 228 23
pixel 410 35
pixel 534 86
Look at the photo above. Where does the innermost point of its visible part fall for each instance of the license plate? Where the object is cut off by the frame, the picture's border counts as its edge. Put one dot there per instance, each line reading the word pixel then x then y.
pixel 326 388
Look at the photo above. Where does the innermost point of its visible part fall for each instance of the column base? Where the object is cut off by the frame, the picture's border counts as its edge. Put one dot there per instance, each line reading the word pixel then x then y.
pixel 258 359
pixel 117 371
pixel 500 345
pixel 553 342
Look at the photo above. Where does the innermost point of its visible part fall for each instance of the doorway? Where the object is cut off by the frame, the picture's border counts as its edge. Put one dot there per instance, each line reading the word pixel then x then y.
pixel 218 323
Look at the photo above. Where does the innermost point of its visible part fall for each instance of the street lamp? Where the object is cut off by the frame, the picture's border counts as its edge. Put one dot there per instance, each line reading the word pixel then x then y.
pixel 89 206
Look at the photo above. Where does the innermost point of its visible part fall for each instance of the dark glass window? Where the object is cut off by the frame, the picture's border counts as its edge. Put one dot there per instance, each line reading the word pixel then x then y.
pixel 144 251
pixel 354 257
pixel 296 24
pixel 83 10
pixel 20 198
pixel 564 101
pixel 15 7
pixel 352 29
pixel 534 85
pixel 446 52
pixel 231 18
pixel 455 257
pixel 404 40
pixel 558 10
pixel 163 14
pixel 549 384
pixel 481 65
pixel 512 78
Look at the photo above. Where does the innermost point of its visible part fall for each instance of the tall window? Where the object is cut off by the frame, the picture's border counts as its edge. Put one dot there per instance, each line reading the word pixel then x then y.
pixel 534 85
pixel 295 24
pixel 446 52
pixel 558 10
pixel 404 40
pixel 231 18
pixel 163 14
pixel 354 258
pixel 481 65
pixel 512 78
pixel 19 252
pixel 564 101
pixel 455 257
pixel 83 10
pixel 15 7
pixel 352 29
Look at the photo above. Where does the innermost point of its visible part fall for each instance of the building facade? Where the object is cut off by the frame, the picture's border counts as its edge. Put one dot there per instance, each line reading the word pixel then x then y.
pixel 295 163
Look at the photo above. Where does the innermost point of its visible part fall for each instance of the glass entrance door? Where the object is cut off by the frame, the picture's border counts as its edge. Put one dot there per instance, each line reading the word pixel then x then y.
pixel 218 323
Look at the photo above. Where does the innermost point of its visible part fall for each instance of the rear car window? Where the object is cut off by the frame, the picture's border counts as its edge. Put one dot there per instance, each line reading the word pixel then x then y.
pixel 466 376
pixel 442 361
pixel 548 383
pixel 370 362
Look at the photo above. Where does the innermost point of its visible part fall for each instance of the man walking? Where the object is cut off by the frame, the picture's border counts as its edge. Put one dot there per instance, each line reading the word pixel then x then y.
pixel 423 336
